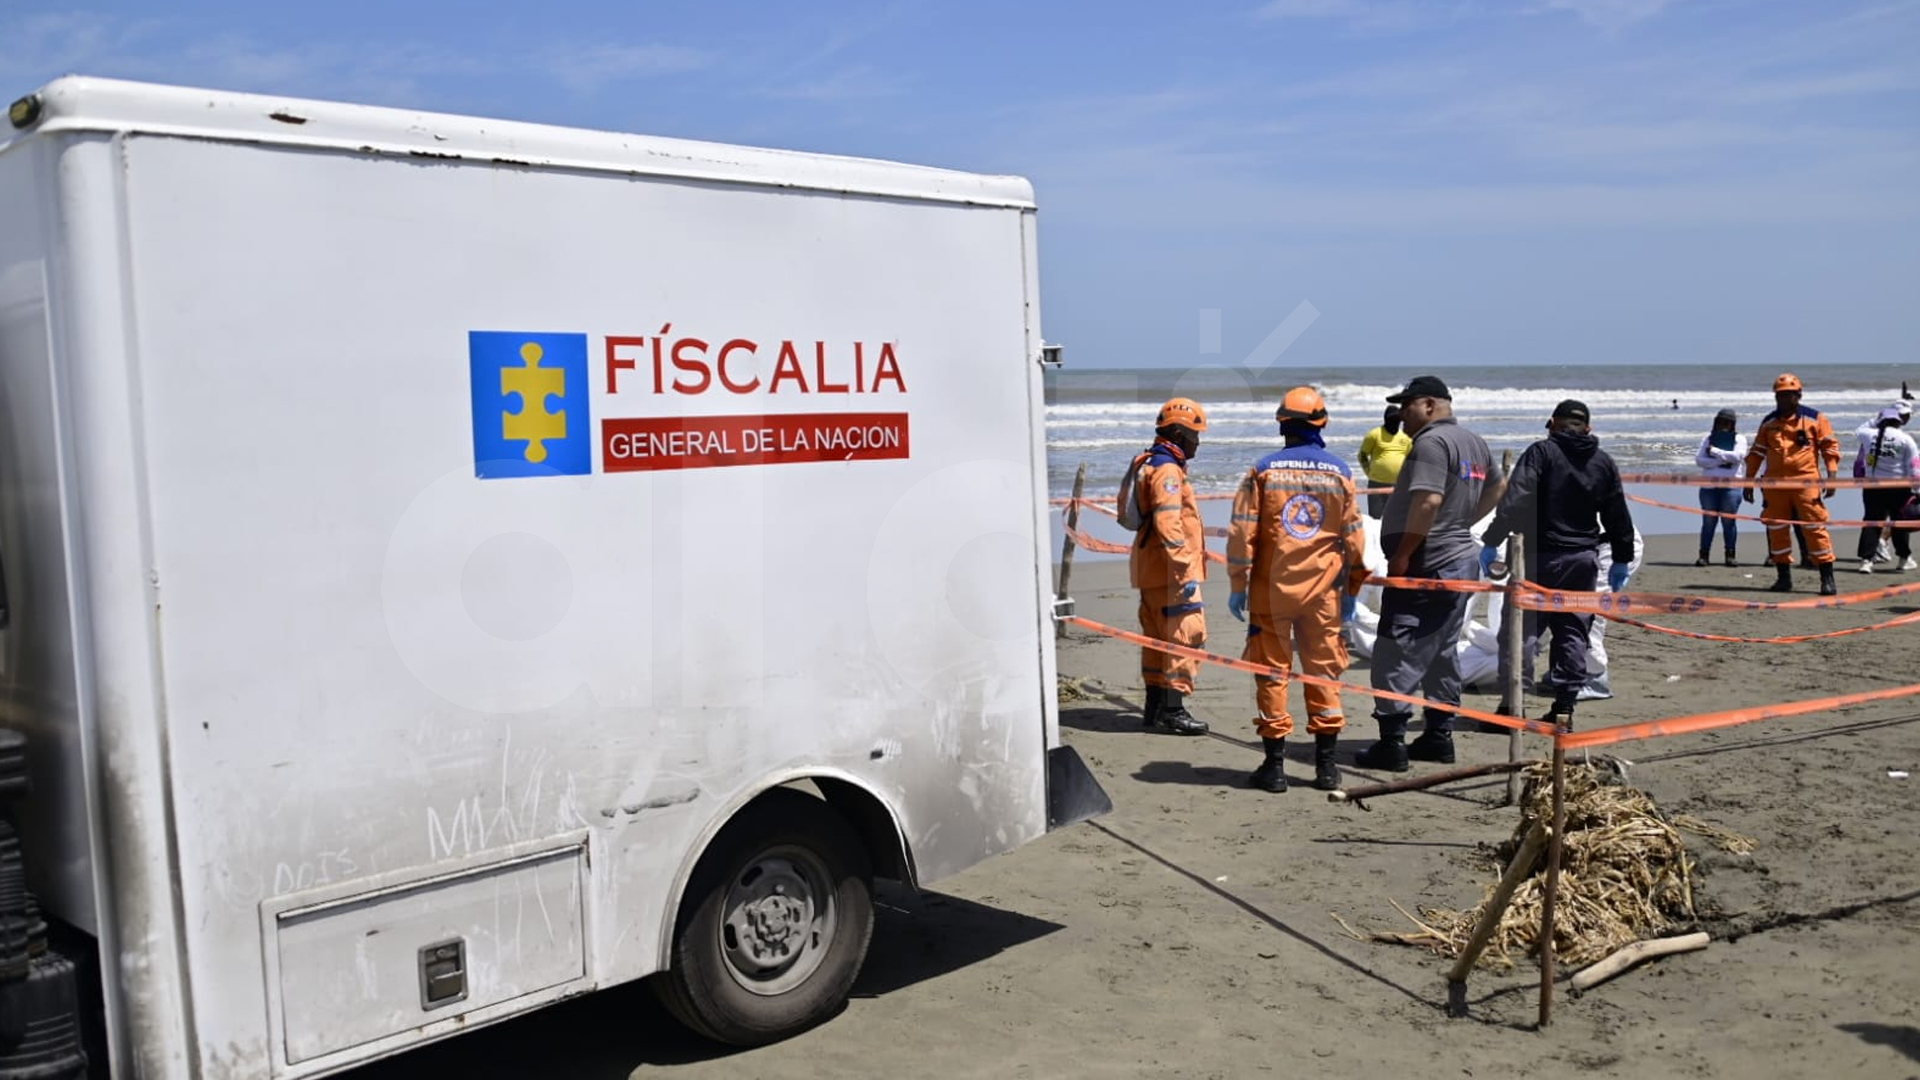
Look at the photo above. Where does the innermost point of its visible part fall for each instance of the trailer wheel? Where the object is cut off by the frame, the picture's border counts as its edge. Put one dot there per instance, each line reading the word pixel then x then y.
pixel 774 925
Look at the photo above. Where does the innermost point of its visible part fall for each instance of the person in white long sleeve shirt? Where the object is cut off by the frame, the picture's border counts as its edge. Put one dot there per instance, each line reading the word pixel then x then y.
pixel 1887 452
pixel 1722 455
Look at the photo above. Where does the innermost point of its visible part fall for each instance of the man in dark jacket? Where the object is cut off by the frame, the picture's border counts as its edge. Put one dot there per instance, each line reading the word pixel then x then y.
pixel 1565 497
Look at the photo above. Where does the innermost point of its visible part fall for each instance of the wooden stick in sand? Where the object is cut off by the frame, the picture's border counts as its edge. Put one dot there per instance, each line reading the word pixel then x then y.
pixel 1517 871
pixel 1357 796
pixel 1067 546
pixel 1555 850
pixel 1622 959
pixel 1513 636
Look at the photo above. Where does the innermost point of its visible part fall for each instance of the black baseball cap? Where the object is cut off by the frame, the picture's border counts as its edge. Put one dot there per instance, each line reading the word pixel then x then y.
pixel 1572 410
pixel 1421 386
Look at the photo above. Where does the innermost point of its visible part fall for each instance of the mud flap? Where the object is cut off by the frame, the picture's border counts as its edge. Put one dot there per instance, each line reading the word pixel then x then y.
pixel 1072 792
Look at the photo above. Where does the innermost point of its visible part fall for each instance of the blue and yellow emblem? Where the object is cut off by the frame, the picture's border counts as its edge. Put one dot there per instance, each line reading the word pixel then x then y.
pixel 529 404
pixel 1302 515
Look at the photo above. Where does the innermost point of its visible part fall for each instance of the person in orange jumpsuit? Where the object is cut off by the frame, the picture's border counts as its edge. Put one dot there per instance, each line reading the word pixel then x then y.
pixel 1294 546
pixel 1793 443
pixel 1168 563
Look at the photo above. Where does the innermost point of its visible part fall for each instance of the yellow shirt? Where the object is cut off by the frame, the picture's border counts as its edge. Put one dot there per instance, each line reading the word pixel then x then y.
pixel 1381 454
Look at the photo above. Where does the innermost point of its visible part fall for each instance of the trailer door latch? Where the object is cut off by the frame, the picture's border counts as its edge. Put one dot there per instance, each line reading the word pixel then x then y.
pixel 443 973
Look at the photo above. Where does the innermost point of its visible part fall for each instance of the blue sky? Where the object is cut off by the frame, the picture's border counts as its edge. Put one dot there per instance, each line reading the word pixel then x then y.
pixel 1461 181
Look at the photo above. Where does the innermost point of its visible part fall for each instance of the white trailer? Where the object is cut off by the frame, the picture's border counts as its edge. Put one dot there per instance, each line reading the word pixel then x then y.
pixel 456 565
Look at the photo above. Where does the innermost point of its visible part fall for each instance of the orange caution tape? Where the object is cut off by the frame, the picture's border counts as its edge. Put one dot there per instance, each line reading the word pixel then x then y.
pixel 1108 547
pixel 1421 584
pixel 1092 543
pixel 1104 507
pixel 1251 668
pixel 1687 725
pixel 1697 480
pixel 1651 729
pixel 1835 522
pixel 1536 597
pixel 1794 640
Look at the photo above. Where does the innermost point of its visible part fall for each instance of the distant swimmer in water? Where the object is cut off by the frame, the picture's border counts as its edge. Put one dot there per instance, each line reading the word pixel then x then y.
pixel 1905 394
pixel 1676 403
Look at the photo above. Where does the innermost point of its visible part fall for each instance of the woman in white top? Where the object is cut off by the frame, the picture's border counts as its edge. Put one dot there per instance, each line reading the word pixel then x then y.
pixel 1723 453
pixel 1888 454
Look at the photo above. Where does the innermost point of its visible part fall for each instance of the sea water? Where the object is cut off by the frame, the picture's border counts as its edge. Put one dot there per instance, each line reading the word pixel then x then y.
pixel 1649 417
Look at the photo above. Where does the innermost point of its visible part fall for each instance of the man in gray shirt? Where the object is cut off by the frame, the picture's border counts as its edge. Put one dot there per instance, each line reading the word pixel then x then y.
pixel 1450 481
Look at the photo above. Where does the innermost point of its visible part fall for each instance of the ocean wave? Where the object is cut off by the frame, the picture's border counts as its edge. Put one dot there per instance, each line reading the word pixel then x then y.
pixel 1470 402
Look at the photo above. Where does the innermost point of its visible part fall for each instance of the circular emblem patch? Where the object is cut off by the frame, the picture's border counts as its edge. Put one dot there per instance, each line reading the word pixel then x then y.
pixel 1301 516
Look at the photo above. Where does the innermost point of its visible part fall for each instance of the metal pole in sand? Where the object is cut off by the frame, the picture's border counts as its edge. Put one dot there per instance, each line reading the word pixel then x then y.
pixel 1512 639
pixel 1517 871
pixel 1555 849
pixel 1067 546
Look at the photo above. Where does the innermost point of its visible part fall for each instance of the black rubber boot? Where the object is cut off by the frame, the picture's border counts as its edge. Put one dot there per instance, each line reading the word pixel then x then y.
pixel 1731 561
pixel 1390 753
pixel 1703 560
pixel 1174 716
pixel 1326 775
pixel 1561 713
pixel 1828 587
pixel 1272 773
pixel 1783 581
pixel 1156 700
pixel 1432 745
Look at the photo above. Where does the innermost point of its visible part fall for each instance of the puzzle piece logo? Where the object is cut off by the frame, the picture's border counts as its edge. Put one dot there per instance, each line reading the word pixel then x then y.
pixel 529 404
pixel 534 384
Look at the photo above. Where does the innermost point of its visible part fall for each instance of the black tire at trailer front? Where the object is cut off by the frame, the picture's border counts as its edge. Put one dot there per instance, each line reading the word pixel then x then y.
pixel 775 923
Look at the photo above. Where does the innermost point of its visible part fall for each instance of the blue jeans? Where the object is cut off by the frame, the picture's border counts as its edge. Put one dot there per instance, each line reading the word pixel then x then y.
pixel 1727 501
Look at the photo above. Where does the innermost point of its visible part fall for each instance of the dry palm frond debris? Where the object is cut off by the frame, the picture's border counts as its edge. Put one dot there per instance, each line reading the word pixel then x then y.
pixel 1624 876
pixel 1072 689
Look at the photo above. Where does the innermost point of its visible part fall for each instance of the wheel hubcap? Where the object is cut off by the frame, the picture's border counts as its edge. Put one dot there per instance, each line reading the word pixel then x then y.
pixel 778 920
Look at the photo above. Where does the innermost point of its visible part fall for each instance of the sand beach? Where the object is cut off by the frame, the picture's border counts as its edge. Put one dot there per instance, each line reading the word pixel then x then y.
pixel 1191 932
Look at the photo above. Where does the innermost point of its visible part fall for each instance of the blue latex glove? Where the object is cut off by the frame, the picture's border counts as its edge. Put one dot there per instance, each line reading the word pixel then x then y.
pixel 1617 576
pixel 1488 555
pixel 1237 605
pixel 1190 590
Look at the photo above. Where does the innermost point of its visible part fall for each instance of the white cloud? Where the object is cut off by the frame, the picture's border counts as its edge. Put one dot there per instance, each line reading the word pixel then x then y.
pixel 1386 16
pixel 1610 14
pixel 1840 84
pixel 593 66
pixel 41 47
pixel 848 84
pixel 396 73
pixel 1309 9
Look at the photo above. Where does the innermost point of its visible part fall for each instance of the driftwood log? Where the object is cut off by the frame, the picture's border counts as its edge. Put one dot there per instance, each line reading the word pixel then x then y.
pixel 1601 970
pixel 1416 783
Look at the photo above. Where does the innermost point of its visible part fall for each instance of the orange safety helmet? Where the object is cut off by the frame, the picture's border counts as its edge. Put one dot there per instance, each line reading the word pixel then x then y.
pixel 1303 403
pixel 1182 412
pixel 1788 381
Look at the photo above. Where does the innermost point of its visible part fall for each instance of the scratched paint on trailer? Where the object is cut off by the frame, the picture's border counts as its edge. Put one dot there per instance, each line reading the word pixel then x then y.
pixel 349 971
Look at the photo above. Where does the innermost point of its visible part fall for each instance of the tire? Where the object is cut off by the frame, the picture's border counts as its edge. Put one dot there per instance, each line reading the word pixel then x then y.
pixel 774 925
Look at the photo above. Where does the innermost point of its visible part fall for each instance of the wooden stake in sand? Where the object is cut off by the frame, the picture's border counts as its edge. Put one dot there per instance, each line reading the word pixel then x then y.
pixel 1067 546
pixel 1595 974
pixel 1513 636
pixel 1490 915
pixel 1555 849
